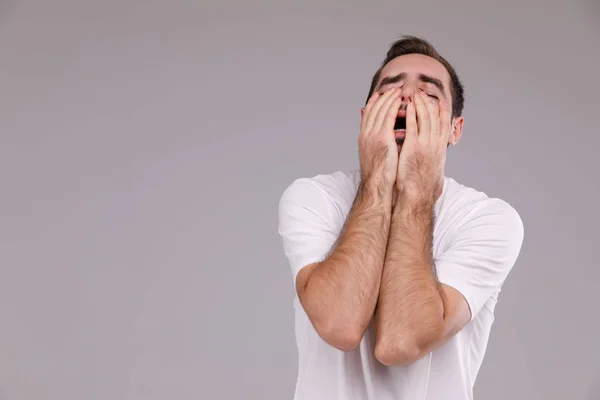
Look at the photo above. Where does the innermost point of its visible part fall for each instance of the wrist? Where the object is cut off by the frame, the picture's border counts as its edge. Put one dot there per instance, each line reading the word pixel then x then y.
pixel 413 202
pixel 417 192
pixel 376 188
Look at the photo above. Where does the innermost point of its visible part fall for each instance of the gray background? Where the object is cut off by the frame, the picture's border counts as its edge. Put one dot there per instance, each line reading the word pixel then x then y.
pixel 145 145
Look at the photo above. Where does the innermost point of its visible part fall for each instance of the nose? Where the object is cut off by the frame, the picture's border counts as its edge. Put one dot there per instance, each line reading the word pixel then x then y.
pixel 408 91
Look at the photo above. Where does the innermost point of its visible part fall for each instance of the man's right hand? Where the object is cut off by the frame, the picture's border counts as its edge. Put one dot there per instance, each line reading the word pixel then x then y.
pixel 377 146
pixel 339 293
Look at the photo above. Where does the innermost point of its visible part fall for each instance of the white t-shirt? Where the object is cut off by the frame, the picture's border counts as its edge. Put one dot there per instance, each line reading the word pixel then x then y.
pixel 477 240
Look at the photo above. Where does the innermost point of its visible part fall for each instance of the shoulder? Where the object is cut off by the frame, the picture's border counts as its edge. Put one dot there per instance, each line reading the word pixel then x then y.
pixel 331 194
pixel 473 210
pixel 335 185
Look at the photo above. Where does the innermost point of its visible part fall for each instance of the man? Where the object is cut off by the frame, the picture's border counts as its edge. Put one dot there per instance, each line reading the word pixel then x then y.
pixel 397 267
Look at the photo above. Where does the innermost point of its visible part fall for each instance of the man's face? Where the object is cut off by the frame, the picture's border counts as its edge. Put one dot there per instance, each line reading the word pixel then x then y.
pixel 415 72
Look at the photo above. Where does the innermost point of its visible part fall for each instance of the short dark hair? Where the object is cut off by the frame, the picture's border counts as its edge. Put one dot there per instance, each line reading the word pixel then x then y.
pixel 414 45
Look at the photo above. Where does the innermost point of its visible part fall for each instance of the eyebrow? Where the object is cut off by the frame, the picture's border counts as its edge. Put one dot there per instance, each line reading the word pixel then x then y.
pixel 422 77
pixel 391 79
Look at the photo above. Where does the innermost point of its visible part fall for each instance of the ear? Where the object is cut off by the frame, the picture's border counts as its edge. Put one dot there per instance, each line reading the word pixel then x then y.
pixel 362 112
pixel 457 127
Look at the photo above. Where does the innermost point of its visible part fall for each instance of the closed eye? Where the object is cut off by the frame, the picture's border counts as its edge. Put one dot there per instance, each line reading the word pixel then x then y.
pixel 433 96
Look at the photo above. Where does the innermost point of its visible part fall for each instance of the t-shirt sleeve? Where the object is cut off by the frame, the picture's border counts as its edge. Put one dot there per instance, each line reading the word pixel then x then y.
pixel 482 252
pixel 307 224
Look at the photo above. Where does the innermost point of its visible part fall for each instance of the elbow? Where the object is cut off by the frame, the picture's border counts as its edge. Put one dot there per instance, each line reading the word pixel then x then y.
pixel 343 339
pixel 398 354
pixel 345 344
pixel 405 348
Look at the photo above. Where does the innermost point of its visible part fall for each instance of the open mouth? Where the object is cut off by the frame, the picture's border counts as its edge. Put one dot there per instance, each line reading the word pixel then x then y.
pixel 400 129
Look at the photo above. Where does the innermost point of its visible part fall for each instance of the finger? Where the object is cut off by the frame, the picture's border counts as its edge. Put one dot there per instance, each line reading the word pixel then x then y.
pixel 392 113
pixel 387 107
pixel 423 123
pixel 372 112
pixel 411 121
pixel 368 107
pixel 434 117
pixel 375 109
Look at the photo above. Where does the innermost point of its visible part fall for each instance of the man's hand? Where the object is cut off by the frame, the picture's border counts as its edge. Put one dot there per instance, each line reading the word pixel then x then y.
pixel 411 304
pixel 423 155
pixel 376 143
pixel 339 292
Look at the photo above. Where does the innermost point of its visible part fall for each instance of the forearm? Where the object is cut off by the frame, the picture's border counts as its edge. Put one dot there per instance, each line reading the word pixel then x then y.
pixel 410 309
pixel 341 292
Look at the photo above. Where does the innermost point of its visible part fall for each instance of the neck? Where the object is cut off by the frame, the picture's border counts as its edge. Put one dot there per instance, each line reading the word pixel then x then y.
pixel 439 188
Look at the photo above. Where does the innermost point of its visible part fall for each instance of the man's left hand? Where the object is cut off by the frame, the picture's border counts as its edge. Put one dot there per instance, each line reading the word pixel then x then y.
pixel 423 154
